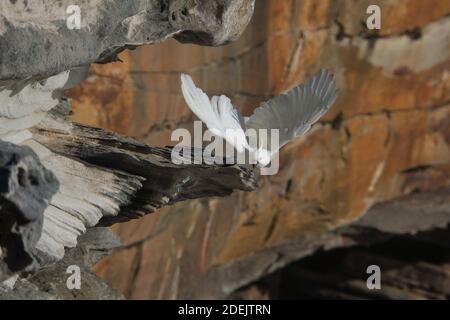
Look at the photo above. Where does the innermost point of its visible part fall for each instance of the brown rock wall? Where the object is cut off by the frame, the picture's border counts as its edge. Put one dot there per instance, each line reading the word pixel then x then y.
pixel 387 136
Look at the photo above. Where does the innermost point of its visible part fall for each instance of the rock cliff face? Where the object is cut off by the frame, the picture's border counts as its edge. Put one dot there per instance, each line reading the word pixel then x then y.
pixel 59 179
pixel 386 138
pixel 106 28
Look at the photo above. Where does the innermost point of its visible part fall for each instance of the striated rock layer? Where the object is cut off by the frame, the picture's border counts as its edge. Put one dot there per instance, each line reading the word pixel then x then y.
pixel 387 137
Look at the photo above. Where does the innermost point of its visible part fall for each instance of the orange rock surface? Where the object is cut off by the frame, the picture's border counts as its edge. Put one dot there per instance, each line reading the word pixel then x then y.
pixel 388 134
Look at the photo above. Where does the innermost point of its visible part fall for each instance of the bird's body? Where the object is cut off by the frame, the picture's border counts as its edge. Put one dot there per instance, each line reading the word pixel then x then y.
pixel 275 122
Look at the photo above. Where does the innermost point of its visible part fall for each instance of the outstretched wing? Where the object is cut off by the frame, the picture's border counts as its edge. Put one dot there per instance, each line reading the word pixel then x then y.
pixel 218 114
pixel 295 112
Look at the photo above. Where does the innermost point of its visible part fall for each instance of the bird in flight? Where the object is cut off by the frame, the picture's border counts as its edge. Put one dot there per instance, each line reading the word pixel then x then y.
pixel 291 114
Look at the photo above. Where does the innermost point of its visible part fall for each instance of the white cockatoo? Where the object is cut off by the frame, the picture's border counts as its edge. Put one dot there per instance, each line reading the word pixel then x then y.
pixel 292 114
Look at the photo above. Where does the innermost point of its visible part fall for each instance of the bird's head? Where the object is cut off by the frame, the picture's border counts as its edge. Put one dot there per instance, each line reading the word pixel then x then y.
pixel 263 157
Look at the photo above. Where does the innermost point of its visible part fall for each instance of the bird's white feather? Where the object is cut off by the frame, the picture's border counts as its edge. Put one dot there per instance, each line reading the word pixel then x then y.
pixel 292 114
pixel 219 115
pixel 296 111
